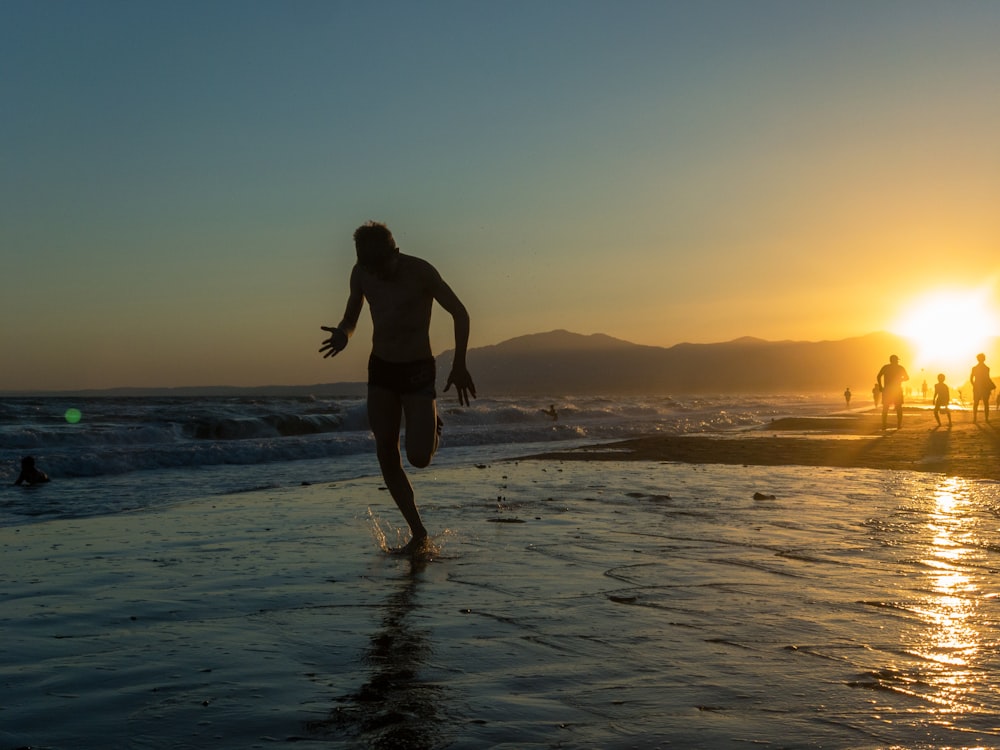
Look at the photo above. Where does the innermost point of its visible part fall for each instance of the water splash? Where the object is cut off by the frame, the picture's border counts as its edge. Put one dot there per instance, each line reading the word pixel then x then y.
pixel 382 532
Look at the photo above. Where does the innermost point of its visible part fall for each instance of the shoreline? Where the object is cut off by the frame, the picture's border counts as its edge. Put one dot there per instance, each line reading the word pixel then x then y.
pixel 852 440
pixel 575 592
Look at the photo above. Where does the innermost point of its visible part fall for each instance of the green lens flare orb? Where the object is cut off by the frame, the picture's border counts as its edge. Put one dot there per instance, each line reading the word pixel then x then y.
pixel 73 416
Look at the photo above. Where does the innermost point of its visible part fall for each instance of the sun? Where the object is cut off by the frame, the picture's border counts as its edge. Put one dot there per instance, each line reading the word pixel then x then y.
pixel 948 329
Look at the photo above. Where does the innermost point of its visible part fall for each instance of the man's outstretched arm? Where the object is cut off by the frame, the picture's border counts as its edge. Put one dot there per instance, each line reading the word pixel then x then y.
pixel 343 331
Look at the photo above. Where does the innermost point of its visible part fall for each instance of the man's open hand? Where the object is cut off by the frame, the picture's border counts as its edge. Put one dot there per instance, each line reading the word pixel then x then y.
pixel 462 380
pixel 335 343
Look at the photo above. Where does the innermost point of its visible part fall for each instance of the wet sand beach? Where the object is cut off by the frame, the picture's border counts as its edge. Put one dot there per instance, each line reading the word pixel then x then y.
pixel 613 603
pixel 847 441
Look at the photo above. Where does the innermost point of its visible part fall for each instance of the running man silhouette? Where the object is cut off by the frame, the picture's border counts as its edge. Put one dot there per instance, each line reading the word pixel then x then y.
pixel 401 290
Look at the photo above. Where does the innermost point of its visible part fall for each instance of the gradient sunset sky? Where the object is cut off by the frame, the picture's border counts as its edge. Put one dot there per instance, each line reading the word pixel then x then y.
pixel 179 181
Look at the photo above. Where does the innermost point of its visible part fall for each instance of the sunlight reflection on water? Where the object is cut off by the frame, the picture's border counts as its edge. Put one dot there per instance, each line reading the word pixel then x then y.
pixel 951 640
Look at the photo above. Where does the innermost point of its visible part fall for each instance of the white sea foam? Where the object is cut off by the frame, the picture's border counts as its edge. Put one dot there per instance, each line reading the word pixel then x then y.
pixel 128 453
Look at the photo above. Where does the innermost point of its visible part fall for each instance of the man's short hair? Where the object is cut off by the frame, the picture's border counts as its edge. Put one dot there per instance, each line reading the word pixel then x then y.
pixel 373 236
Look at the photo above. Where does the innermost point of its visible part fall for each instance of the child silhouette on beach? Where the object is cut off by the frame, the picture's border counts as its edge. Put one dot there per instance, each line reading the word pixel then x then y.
pixel 30 474
pixel 942 397
pixel 401 291
pixel 890 380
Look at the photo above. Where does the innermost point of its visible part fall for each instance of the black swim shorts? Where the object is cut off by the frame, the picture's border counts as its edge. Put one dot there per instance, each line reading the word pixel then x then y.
pixel 403 377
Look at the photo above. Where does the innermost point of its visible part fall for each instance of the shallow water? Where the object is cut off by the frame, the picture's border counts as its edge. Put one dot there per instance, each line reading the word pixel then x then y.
pixel 659 605
pixel 580 605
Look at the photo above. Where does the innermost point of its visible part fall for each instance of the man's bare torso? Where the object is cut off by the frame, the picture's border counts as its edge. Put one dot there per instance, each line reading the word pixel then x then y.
pixel 401 309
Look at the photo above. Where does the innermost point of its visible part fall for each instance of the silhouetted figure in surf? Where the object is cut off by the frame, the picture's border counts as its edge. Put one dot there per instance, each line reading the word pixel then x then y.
pixel 876 394
pixel 401 290
pixel 551 412
pixel 847 396
pixel 30 474
pixel 890 379
pixel 942 397
pixel 982 387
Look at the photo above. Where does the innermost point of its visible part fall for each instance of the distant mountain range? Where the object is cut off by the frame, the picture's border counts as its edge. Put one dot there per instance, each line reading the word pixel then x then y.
pixel 560 363
pixel 564 363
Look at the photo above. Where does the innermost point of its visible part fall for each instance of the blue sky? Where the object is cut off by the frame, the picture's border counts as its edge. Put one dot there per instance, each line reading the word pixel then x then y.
pixel 179 181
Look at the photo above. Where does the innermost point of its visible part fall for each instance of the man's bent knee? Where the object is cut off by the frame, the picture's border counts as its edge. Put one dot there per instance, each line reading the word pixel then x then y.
pixel 421 430
pixel 421 452
pixel 420 459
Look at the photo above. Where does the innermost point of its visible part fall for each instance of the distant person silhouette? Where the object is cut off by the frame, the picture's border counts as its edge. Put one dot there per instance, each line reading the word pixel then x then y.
pixel 942 397
pixel 551 412
pixel 847 396
pixel 890 379
pixel 923 390
pixel 401 290
pixel 982 387
pixel 30 474
pixel 876 394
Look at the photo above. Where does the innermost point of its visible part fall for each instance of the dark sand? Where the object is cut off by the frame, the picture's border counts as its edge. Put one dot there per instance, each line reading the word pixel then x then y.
pixel 851 441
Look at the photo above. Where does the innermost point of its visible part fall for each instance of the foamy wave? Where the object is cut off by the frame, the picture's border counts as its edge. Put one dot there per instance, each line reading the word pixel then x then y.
pixel 123 435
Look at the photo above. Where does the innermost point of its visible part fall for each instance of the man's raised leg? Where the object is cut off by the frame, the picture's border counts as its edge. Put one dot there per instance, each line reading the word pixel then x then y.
pixel 420 410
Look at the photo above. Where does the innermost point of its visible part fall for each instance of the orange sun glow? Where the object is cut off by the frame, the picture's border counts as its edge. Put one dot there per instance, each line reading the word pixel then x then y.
pixel 949 328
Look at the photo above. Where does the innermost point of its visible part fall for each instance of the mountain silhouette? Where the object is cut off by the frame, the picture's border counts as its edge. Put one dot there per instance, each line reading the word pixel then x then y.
pixel 562 363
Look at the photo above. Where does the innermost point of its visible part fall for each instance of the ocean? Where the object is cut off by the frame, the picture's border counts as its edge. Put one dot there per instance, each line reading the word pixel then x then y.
pixel 110 455
pixel 211 573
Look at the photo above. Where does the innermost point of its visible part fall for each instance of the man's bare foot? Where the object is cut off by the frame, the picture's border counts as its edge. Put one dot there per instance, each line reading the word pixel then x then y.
pixel 415 546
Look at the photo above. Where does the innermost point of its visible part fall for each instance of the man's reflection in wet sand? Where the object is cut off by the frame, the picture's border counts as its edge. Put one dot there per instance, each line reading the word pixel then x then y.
pixel 395 708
